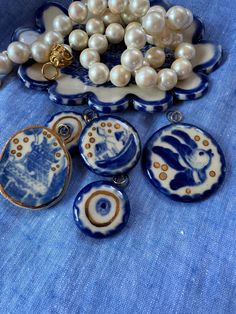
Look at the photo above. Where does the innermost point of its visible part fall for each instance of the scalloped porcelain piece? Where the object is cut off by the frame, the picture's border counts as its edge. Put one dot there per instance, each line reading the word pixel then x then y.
pixel 74 87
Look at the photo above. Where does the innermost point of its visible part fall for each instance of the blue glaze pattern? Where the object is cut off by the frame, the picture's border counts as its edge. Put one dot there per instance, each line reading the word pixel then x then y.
pixel 107 98
pixel 184 162
pixel 101 209
pixel 71 120
pixel 110 146
pixel 34 168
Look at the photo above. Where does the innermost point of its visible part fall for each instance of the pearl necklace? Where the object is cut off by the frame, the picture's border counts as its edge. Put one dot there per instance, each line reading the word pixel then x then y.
pixel 114 21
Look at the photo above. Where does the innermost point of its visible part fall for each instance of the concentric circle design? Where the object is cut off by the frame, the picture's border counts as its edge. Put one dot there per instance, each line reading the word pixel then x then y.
pixel 110 146
pixel 68 125
pixel 184 162
pixel 101 209
pixel 35 168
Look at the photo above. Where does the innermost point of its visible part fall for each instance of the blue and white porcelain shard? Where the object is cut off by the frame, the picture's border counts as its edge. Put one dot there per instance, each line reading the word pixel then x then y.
pixel 35 168
pixel 74 87
pixel 184 162
pixel 101 209
pixel 69 122
pixel 110 146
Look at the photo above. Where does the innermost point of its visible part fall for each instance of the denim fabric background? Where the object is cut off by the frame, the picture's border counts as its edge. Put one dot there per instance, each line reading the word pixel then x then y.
pixel 171 258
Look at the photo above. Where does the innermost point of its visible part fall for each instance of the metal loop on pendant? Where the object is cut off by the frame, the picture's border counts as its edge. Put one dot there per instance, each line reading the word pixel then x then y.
pixel 89 115
pixel 46 71
pixel 175 116
pixel 121 180
pixel 64 131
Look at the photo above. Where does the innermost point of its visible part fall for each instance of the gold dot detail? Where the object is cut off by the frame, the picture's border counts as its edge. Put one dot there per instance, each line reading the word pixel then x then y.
pixel 19 147
pixel 87 146
pixel 94 128
pixel 16 141
pixel 18 154
pixel 117 126
pixel 188 191
pixel 45 133
pixel 164 167
pixel 109 131
pixel 163 176
pixel 53 169
pixel 109 124
pixel 58 155
pixel 26 139
pixel 205 143
pixel 212 174
pixel 55 144
pixel 92 140
pixel 90 155
pixel 57 166
pixel 49 136
pixel 103 124
pixel 156 165
pixel 13 152
pixel 197 138
pixel 90 134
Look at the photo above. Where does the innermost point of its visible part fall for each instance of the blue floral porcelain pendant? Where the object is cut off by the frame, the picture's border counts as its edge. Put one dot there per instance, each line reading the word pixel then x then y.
pixel 68 125
pixel 184 162
pixel 101 209
pixel 35 168
pixel 110 146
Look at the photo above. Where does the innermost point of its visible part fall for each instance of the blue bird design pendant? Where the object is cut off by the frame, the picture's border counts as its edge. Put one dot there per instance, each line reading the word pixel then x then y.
pixel 184 162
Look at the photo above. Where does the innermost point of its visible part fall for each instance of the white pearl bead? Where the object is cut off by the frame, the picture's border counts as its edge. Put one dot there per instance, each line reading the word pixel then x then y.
pixel 133 24
pixel 132 59
pixel 98 42
pixel 99 73
pixel 155 57
pixel 185 50
pixel 95 26
pixel 78 40
pixel 157 8
pixel 115 33
pixel 166 79
pixel 62 24
pixel 18 52
pixel 119 76
pixel 78 12
pixel 146 77
pixel 53 38
pixel 6 64
pixel 135 38
pixel 128 17
pixel 179 18
pixel 97 7
pixel 153 23
pixel 40 52
pixel 88 57
pixel 117 6
pixel 164 39
pixel 109 18
pixel 139 7
pixel 182 67
pixel 176 40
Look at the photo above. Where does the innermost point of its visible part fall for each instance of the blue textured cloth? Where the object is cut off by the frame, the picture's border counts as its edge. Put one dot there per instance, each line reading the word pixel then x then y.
pixel 171 258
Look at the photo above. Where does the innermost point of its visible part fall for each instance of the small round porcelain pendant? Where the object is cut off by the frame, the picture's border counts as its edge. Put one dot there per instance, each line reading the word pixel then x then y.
pixel 184 162
pixel 68 125
pixel 101 209
pixel 110 146
pixel 35 168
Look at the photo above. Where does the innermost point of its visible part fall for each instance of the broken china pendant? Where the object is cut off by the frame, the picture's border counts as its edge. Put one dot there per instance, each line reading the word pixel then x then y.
pixel 184 162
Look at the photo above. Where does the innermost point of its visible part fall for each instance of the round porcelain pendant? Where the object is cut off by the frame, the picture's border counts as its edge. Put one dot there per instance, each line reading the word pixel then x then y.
pixel 68 125
pixel 110 146
pixel 184 162
pixel 101 209
pixel 35 168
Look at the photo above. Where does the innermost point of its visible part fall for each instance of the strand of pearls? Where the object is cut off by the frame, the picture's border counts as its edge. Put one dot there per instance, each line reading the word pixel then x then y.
pixel 112 22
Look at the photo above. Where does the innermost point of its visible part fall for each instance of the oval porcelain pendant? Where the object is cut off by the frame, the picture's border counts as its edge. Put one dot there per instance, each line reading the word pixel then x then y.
pixel 35 168
pixel 68 125
pixel 101 209
pixel 184 162
pixel 110 146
